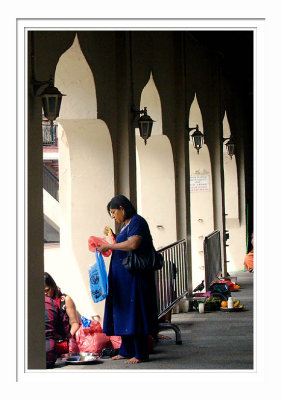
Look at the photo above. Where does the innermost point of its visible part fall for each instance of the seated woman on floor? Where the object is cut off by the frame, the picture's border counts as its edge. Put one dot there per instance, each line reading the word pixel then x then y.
pixel 66 304
pixel 56 324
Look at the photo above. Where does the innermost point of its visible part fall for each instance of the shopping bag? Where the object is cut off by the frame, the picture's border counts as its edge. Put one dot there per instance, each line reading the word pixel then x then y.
pixel 85 322
pixel 115 341
pixel 90 341
pixel 98 279
pixel 95 241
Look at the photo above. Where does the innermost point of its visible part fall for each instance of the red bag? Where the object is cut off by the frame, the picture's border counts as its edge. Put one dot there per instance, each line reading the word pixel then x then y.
pixel 91 339
pixel 73 347
pixel 229 283
pixel 95 241
pixel 95 326
pixel 115 341
pixel 101 340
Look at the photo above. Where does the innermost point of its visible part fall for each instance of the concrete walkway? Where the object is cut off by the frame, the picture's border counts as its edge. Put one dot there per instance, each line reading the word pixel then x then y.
pixel 211 341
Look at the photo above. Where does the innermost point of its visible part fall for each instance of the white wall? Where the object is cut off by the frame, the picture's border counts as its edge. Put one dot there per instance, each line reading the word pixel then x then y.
pixel 51 210
pixel 86 180
pixel 155 173
pixel 156 188
pixel 86 186
pixel 76 81
pixel 236 249
pixel 150 98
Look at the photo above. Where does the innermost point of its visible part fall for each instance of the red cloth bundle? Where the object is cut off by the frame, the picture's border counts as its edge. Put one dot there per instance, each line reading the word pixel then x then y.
pixel 95 241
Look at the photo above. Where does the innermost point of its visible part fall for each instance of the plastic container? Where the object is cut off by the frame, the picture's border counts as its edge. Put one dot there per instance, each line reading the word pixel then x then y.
pixel 184 306
pixel 230 302
pixel 201 308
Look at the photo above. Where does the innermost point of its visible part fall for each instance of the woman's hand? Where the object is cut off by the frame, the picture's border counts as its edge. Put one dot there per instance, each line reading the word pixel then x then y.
pixel 72 314
pixel 106 230
pixel 104 247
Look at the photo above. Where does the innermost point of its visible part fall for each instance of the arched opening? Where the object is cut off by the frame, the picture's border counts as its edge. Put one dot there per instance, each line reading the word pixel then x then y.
pixel 201 197
pixel 155 173
pixel 236 243
pixel 85 177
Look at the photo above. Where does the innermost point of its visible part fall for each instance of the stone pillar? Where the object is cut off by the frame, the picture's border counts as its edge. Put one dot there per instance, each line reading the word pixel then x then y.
pixel 35 255
pixel 215 147
pixel 124 140
pixel 182 165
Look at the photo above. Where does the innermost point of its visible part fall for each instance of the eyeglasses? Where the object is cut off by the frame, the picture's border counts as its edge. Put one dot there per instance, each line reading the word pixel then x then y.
pixel 113 212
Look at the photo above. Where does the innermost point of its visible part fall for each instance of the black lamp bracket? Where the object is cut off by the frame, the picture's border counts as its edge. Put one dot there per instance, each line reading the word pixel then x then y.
pixel 39 86
pixel 192 129
pixel 138 112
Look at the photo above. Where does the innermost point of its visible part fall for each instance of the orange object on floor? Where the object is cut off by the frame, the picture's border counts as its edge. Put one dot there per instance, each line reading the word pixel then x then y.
pixel 249 261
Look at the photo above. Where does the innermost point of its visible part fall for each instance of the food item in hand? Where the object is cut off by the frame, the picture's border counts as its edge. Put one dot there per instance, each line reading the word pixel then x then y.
pixel 111 235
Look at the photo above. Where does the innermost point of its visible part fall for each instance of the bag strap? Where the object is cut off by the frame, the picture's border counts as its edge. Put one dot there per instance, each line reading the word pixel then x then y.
pixel 97 253
pixel 63 302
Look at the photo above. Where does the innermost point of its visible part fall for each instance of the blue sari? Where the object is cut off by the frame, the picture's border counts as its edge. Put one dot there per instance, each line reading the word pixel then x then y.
pixel 131 305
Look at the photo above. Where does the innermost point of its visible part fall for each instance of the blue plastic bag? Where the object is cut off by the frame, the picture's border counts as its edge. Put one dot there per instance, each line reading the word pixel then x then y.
pixel 85 322
pixel 98 279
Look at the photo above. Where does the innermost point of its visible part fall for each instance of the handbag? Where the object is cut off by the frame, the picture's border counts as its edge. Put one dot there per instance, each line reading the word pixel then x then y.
pixel 98 279
pixel 135 261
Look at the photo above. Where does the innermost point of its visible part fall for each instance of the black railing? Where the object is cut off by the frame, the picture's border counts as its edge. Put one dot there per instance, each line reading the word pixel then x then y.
pixel 49 134
pixel 172 282
pixel 212 252
pixel 50 182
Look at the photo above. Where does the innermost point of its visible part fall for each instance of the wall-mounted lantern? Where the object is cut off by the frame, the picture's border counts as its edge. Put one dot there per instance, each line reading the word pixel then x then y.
pixel 197 138
pixel 145 123
pixel 230 146
pixel 51 102
pixel 51 98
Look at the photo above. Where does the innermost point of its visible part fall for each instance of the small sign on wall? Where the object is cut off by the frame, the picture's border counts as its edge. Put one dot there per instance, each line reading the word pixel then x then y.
pixel 199 183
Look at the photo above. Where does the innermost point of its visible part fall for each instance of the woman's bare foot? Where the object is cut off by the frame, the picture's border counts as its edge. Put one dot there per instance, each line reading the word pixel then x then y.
pixel 118 357
pixel 133 360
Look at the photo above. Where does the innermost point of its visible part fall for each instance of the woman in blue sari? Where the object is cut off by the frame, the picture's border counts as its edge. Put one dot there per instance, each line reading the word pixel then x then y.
pixel 131 305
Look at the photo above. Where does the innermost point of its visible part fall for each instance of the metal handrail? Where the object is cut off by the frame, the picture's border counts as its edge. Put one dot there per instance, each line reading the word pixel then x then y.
pixel 50 182
pixel 212 254
pixel 172 281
